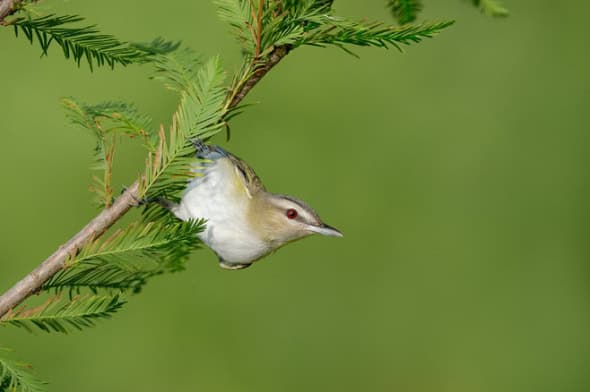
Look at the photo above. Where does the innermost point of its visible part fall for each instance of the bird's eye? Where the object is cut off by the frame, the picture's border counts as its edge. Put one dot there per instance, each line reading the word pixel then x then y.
pixel 291 213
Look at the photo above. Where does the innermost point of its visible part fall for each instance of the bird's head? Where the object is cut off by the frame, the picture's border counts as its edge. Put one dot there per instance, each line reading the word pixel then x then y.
pixel 282 219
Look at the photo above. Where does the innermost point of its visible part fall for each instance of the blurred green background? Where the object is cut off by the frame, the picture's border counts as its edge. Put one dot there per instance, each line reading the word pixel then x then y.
pixel 458 172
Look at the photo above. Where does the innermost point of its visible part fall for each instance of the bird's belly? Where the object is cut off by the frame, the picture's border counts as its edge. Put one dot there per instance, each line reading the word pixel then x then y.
pixel 232 245
pixel 227 231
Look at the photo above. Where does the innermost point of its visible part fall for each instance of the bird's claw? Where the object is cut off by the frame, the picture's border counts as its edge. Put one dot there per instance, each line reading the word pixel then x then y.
pixel 199 145
pixel 138 201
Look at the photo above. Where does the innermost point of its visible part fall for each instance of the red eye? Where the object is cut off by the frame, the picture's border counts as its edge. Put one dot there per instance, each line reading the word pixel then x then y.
pixel 291 213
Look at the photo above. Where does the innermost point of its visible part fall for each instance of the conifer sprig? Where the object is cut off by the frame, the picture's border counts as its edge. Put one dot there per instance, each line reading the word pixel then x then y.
pixel 199 116
pixel 239 16
pixel 65 316
pixel 129 257
pixel 85 42
pixel 312 22
pixel 108 117
pixel 339 31
pixel 16 377
pixel 178 71
pixel 106 121
pixel 111 276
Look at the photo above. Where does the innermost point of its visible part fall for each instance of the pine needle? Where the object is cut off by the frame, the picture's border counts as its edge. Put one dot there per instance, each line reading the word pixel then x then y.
pixel 129 257
pixel 199 115
pixel 85 42
pixel 65 316
pixel 16 377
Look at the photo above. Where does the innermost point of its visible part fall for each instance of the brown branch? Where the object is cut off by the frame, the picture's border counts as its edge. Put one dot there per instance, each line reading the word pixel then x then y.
pixel 273 59
pixel 54 263
pixel 97 226
pixel 7 8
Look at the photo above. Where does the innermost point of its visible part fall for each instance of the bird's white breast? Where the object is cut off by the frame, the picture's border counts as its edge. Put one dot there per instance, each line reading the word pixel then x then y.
pixel 219 196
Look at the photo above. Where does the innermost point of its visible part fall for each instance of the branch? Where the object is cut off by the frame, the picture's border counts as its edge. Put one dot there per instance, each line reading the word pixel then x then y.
pixel 54 263
pixel 15 377
pixel 97 226
pixel 7 8
pixel 273 59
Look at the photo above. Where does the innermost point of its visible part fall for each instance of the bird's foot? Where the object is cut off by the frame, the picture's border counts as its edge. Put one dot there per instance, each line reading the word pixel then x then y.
pixel 140 201
pixel 200 146
pixel 232 266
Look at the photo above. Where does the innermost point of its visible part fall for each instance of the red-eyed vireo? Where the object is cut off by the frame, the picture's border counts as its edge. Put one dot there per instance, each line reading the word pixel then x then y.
pixel 245 222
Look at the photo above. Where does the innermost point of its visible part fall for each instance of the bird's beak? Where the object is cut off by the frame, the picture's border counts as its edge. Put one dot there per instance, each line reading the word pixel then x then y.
pixel 324 229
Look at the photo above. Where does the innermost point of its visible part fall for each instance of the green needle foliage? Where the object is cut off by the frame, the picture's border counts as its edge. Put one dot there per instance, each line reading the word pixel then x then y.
pixel 85 42
pixel 108 117
pixel 106 121
pixel 178 70
pixel 65 316
pixel 339 32
pixel 199 116
pixel 312 22
pixel 262 27
pixel 15 377
pixel 129 257
pixel 404 11
pixel 237 15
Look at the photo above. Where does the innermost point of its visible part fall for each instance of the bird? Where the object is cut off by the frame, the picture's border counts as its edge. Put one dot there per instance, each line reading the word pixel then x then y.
pixel 244 221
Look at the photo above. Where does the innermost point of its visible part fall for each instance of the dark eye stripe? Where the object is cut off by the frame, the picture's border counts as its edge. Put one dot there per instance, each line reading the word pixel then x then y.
pixel 303 206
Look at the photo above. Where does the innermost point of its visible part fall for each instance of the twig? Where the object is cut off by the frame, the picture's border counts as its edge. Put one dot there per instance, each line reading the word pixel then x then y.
pixel 97 226
pixel 273 59
pixel 108 174
pixel 259 24
pixel 54 263
pixel 8 7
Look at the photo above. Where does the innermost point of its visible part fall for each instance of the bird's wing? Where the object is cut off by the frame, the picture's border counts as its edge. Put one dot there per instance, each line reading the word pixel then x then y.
pixel 251 180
